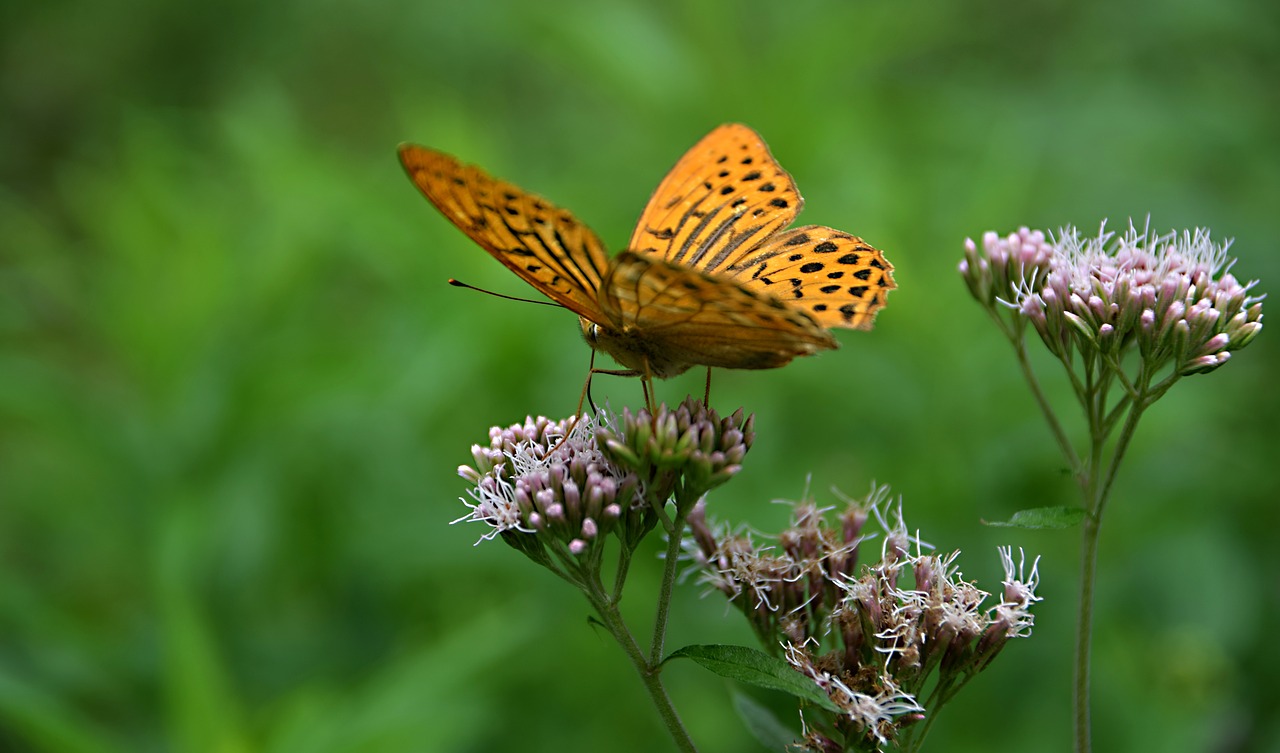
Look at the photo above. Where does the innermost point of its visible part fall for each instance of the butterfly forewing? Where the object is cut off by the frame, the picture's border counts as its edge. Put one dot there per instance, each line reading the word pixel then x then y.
pixel 723 197
pixel 543 244
pixel 836 278
pixel 688 317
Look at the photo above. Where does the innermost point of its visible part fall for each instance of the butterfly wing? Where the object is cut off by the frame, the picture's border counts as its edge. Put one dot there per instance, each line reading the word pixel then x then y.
pixel 724 196
pixel 675 317
pixel 837 278
pixel 543 244
pixel 722 209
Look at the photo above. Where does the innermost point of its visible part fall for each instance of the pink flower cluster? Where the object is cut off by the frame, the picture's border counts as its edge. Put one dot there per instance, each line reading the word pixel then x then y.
pixel 1172 298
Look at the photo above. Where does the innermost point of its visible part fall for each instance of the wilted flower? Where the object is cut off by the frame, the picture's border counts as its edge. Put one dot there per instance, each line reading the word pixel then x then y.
pixel 868 640
pixel 868 715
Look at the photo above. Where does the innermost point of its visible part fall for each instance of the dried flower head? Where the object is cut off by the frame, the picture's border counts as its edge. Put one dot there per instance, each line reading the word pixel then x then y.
pixel 869 635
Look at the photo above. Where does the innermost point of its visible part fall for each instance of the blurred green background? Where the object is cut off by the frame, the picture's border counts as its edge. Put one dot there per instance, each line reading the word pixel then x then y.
pixel 234 387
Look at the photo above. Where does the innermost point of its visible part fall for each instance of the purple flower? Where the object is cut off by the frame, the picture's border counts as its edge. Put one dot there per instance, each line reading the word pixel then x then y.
pixel 1172 298
pixel 546 482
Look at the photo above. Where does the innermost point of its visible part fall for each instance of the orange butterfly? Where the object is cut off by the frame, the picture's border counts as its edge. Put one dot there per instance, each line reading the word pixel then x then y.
pixel 710 277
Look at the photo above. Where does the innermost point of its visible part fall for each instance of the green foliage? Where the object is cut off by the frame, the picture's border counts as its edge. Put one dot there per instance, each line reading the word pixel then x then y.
pixel 1042 517
pixel 747 665
pixel 234 387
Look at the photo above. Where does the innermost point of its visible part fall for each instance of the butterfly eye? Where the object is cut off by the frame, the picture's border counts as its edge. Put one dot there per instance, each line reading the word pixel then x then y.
pixel 590 330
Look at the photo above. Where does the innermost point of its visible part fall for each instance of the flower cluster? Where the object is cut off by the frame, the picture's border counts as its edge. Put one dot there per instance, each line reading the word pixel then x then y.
pixel 684 452
pixel 556 489
pixel 1171 297
pixel 545 483
pixel 868 635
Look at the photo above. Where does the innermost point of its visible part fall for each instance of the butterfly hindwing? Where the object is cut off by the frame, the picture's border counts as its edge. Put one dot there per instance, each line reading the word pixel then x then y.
pixel 543 244
pixel 836 278
pixel 692 318
pixel 724 196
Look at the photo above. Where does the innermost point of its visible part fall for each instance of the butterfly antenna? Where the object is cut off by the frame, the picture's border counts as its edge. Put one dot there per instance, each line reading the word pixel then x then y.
pixel 461 284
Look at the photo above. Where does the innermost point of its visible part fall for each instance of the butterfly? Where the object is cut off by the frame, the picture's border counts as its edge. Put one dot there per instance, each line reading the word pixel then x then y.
pixel 711 276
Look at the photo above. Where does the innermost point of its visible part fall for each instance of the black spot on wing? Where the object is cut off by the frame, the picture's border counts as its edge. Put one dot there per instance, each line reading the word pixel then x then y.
pixel 849 311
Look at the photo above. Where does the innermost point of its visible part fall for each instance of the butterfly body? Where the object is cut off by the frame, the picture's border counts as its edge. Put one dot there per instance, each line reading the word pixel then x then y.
pixel 658 323
pixel 711 277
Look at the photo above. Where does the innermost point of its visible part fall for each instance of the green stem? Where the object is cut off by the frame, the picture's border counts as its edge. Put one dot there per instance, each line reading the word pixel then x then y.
pixel 668 581
pixel 1084 631
pixel 1097 493
pixel 916 735
pixel 649 672
pixel 1122 444
pixel 624 565
pixel 1019 347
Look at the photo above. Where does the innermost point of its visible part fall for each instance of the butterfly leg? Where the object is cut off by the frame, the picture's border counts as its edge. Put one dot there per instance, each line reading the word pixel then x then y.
pixel 584 397
pixel 646 385
pixel 586 389
pixel 706 398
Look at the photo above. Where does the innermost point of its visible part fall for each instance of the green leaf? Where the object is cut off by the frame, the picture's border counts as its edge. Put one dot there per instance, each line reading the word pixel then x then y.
pixel 1042 517
pixel 762 723
pixel 755 668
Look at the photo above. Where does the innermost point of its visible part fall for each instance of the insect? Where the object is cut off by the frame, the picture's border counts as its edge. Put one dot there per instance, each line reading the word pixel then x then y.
pixel 710 277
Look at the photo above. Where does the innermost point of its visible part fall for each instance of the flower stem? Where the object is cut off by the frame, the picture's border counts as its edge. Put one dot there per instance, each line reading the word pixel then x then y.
pixel 668 583
pixel 1097 488
pixel 649 672
pixel 1084 630
pixel 649 669
pixel 1019 347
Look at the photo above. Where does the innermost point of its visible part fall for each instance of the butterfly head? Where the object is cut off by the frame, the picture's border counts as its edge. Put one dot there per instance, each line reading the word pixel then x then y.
pixel 629 347
pixel 590 331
